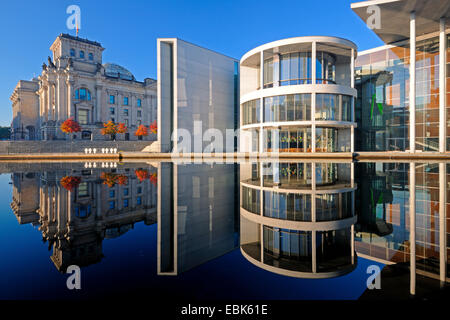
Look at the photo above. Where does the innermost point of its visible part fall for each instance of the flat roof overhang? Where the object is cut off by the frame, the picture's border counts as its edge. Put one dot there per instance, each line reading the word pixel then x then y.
pixel 395 16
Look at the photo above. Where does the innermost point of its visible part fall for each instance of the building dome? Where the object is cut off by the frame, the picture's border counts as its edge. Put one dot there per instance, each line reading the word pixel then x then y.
pixel 115 71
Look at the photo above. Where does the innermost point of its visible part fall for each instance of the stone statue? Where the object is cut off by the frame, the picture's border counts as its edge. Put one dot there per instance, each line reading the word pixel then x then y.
pixel 44 66
pixel 50 63
pixel 70 62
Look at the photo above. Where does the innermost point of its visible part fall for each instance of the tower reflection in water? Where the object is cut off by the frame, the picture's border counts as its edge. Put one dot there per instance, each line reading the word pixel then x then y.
pixel 297 219
pixel 77 208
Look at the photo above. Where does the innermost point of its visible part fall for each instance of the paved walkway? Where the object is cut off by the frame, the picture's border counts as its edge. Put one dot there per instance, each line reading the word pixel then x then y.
pixel 360 156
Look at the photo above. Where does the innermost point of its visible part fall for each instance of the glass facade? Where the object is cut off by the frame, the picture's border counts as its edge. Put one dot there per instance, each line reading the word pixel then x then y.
pixel 295 68
pixel 294 107
pixel 333 107
pixel 291 63
pixel 251 112
pixel 326 140
pixel 289 140
pixel 382 107
pixel 293 207
pixel 325 68
pixel 282 247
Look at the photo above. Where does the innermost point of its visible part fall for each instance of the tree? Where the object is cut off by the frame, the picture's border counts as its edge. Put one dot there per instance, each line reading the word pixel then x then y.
pixel 70 126
pixel 154 178
pixel 70 182
pixel 111 179
pixel 153 127
pixel 141 131
pixel 110 128
pixel 141 174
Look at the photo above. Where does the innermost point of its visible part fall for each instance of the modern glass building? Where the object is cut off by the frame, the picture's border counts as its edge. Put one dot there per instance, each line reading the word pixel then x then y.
pixel 297 95
pixel 297 219
pixel 403 99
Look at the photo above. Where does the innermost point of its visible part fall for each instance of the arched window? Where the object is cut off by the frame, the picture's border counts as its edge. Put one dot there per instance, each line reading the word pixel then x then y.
pixel 91 56
pixel 72 52
pixel 82 54
pixel 83 94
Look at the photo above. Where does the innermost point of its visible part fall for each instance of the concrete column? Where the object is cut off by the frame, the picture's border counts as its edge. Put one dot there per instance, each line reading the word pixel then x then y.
pixel 313 63
pixel 442 223
pixel 352 174
pixel 412 83
pixel 352 139
pixel 313 217
pixel 352 69
pixel 314 251
pixel 442 87
pixel 313 120
pixel 261 184
pixel 261 103
pixel 412 227
pixel 352 237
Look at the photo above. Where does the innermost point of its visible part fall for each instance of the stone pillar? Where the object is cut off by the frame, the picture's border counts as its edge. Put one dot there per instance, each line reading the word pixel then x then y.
pixel 98 103
pixel 58 98
pixel 70 107
pixel 50 101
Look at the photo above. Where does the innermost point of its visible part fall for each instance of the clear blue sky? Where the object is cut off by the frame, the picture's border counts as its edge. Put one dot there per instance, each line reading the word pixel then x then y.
pixel 129 29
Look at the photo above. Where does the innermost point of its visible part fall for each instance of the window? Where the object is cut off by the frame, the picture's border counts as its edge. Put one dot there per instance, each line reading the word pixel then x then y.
pixel 139 113
pixel 138 201
pixel 112 99
pixel 83 211
pixel 83 190
pixel 82 54
pixel 86 135
pixel 111 111
pixel 112 193
pixel 83 94
pixel 83 116
pixel 125 101
pixel 139 189
pixel 126 122
pixel 125 203
pixel 113 120
pixel 139 102
pixel 91 56
pixel 125 191
pixel 125 112
pixel 139 122
pixel 72 52
pixel 112 204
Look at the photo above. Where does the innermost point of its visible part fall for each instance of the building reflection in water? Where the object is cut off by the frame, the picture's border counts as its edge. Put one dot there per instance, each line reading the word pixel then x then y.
pixel 197 214
pixel 387 194
pixel 77 208
pixel 297 219
pixel 300 219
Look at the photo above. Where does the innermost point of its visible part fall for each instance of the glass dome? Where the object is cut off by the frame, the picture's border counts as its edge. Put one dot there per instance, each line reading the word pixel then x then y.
pixel 116 71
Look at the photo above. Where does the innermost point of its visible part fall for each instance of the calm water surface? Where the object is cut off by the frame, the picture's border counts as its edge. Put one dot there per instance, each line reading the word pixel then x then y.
pixel 265 230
